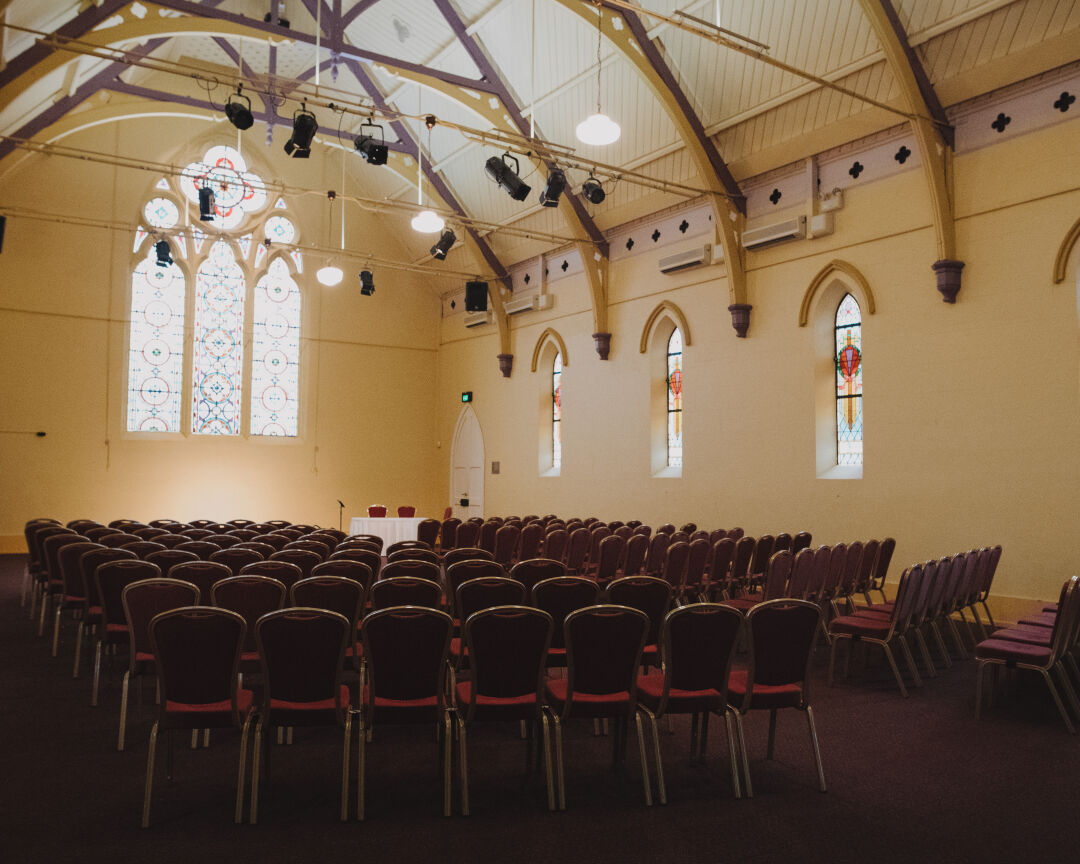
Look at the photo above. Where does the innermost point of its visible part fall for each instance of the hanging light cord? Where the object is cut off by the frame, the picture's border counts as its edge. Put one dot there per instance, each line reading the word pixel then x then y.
pixel 599 20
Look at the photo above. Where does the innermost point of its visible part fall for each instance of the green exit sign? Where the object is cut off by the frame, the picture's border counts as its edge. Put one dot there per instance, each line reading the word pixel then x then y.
pixel 466 396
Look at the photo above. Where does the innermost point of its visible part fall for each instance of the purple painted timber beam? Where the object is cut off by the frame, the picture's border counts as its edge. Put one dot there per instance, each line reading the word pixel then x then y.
pixel 661 68
pixel 358 9
pixel 493 76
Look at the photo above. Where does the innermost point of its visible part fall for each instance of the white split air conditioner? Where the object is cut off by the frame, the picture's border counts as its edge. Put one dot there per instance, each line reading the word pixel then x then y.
pixel 529 303
pixel 477 319
pixel 697 257
pixel 789 229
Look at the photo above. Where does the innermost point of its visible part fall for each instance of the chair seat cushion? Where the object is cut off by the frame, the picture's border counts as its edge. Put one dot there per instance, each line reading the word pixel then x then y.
pixel 1053 607
pixel 204 715
pixel 524 706
pixel 872 626
pixel 744 603
pixel 1007 650
pixel 419 710
pixel 1032 635
pixel 764 695
pixel 877 607
pixel 1045 620
pixel 317 705
pixel 650 688
pixel 587 704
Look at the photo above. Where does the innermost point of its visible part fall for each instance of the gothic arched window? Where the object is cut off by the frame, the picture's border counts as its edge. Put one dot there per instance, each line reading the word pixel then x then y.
pixel 849 389
pixel 674 399
pixel 556 412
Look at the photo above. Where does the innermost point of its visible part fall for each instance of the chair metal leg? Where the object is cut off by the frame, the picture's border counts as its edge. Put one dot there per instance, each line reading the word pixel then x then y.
pixel 941 644
pixel 361 751
pixel 559 768
pixel 895 669
pixel 644 760
pixel 817 749
pixel 447 733
pixel 25 587
pixel 97 675
pixel 910 661
pixel 832 659
pixel 1057 701
pixel 745 757
pixel 732 756
pixel 123 710
pixel 238 815
pixel 45 596
pixel 463 766
pixel 547 760
pixel 345 768
pixel 79 634
pixel 693 735
pixel 924 650
pixel 34 590
pixel 989 617
pixel 1066 685
pixel 960 649
pixel 56 628
pixel 772 734
pixel 151 753
pixel 256 764
pixel 660 787
pixel 978 621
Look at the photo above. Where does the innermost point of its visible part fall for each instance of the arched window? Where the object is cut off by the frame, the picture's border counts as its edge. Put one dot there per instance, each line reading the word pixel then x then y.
pixel 556 413
pixel 674 399
pixel 849 391
pixel 219 265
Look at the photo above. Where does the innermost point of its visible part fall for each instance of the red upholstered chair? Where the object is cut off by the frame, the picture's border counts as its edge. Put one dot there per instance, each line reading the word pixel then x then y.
pixel 358 571
pixel 368 544
pixel 367 556
pixel 338 594
pixel 405 651
pixel 236 558
pixel 35 562
pixel 507 649
pixel 802 568
pixel 481 593
pixel 302 652
pixel 801 541
pixel 461 572
pixel 197 652
pixel 603 645
pixel 91 619
pixel 203 548
pixel 533 570
pixel 305 559
pixel 406 591
pixel 448 531
pixel 637 548
pixel 881 566
pixel 559 596
pixel 842 599
pixel 867 563
pixel 143 600
pixel 467 534
pixel 693 583
pixel 697 644
pixel 323 550
pixel 555 543
pixel 577 551
pixel 51 583
pixel 782 542
pixel 759 561
pixel 201 573
pixel 718 571
pixel 532 535
pixel 73 595
pixel 676 557
pixel 984 587
pixel 406 512
pixel 650 594
pixel 408 567
pixel 654 561
pixel 376 511
pixel 598 532
pixel 428 532
pixel 277 541
pixel 110 580
pixel 612 550
pixel 283 571
pixel 466 553
pixel 781 636
pixel 250 596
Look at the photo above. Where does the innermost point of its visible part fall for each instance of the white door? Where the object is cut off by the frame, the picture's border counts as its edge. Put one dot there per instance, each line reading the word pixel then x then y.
pixel 467 466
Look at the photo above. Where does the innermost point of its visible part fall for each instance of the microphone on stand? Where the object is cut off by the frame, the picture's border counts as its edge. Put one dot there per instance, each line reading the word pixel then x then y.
pixel 341 512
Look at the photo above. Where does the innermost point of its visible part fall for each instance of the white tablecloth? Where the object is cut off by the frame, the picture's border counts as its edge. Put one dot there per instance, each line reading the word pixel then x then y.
pixel 391 529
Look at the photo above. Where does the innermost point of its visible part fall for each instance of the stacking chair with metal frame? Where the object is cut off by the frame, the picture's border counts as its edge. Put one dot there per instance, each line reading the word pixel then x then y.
pixel 250 596
pixel 203 574
pixel 338 594
pixel 283 571
pixel 90 621
pixel 73 594
pixel 651 595
pixel 236 559
pixel 413 554
pixel 406 591
pixel 305 559
pixel 534 570
pixel 559 596
pixel 110 580
pixel 409 567
pixel 358 571
pixel 481 593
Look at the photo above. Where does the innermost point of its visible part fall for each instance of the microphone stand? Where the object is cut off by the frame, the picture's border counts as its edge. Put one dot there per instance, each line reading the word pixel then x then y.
pixel 341 514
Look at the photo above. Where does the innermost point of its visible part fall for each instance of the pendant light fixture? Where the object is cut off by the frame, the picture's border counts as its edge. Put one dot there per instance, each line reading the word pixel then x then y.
pixel 331 275
pixel 426 221
pixel 598 129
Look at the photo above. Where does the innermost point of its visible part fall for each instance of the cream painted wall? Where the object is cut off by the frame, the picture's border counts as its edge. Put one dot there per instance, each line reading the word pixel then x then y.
pixel 971 411
pixel 368 364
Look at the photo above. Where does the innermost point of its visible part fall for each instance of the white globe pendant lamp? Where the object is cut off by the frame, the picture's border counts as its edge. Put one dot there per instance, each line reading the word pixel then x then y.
pixel 428 222
pixel 598 129
pixel 329 275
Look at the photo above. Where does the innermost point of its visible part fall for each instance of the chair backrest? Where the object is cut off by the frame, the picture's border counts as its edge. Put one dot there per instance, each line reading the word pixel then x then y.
pixel 195 532
pixel 466 553
pixel 696 561
pixel 117 540
pixel 561 595
pixel 302 651
pixel 612 549
pixel 988 574
pixel 112 577
pixel 398 545
pixel 508 648
pixel 719 566
pixel 165 558
pixel 577 550
pixel 963 570
pixel 283 571
pixel 358 571
pixel 305 559
pixel 487 591
pixel 242 534
pixel 36 526
pixel 603 651
pixel 406 591
pixel 376 511
pixel 94 534
pixel 275 541
pixel 197 652
pixel 867 563
pixel 428 532
pixel 937 588
pixel 649 594
pixel 852 566
pixel 881 563
pixel 51 550
pixel 906 604
pixel 462 571
pixel 666 528
pixel 149 532
pixel 676 557
pixel 143 548
pixel 89 562
pixel 468 534
pixel 336 593
pixel 236 559
pixel 837 563
pixel 802 569
pixel 819 575
pixel 321 549
pixel 763 550
pixel 406 511
pixel 921 606
pixel 555 543
pixel 407 567
pixel 200 573
pixel 697 644
pixel 448 532
pixel 405 649
pixel 781 639
pixel 740 563
pixel 597 533
pixel 249 596
pixel 203 548
pixel 533 570
pixel 801 541
pixel 69 560
pixel 654 561
pixel 265 550
pixel 645 530
pixel 680 537
pixel 529 543
pixel 487 535
pixel 778 574
pixel 147 598
pixel 413 554
pixel 637 548
pixel 506 543
pixel 783 541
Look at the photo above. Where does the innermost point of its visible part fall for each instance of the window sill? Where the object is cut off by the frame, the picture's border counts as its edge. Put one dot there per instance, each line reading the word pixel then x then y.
pixel 842 472
pixel 668 472
pixel 551 472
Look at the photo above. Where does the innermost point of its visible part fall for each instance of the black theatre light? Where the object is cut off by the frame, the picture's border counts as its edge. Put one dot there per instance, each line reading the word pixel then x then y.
pixel 593 191
pixel 556 183
pixel 367 283
pixel 500 171
pixel 238 112
pixel 206 204
pixel 164 253
pixel 373 150
pixel 304 127
pixel 440 249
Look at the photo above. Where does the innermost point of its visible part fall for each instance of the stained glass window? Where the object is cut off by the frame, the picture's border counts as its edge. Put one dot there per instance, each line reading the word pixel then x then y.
pixel 161 213
pixel 674 399
pixel 280 230
pixel 156 353
pixel 556 412
pixel 217 375
pixel 237 191
pixel 140 235
pixel 849 418
pixel 275 353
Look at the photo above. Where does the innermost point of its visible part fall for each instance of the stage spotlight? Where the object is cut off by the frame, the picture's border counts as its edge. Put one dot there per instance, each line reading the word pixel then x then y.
pixel 304 127
pixel 373 150
pixel 500 171
pixel 206 204
pixel 367 283
pixel 556 183
pixel 164 253
pixel 239 114
pixel 440 249
pixel 593 191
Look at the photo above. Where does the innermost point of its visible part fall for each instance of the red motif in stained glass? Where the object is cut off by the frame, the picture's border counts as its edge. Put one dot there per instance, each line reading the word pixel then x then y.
pixel 848 360
pixel 676 382
pixel 558 396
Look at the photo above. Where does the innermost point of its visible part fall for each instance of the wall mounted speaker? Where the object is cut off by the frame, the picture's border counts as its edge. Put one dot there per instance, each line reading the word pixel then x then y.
pixel 476 296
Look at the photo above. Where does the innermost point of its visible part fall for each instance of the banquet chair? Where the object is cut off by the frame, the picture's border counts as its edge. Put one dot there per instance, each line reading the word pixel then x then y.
pixel 250 596
pixel 358 571
pixel 409 567
pixel 651 595
pixel 338 594
pixel 530 571
pixel 462 571
pixel 637 547
pixel 666 528
pixel 718 573
pixel 555 543
pixel 305 559
pixel 196 533
pixel 50 582
pixel 881 567
pixel 197 650
pixel 321 549
pixel 90 620
pixel 801 541
pixel 467 534
pixel 777 675
pixel 276 541
pixel 676 557
pixel 142 601
pixel 843 599
pixel 283 571
pixel 782 542
pixel 488 531
pixel 532 536
pixel 203 574
pixel 110 579
pixel 98 532
pixel 802 568
pixel 428 532
pixel 473 595
pixel 73 596
pixel 597 534
pixel 165 558
pixel 203 548
pixel 171 541
pixel 376 511
pixel 236 559
pixel 871 549
pixel 507 647
pixel 693 580
pixel 611 551
pixel 559 596
pixel 697 644
pixel 603 652
pixel 405 650
pixel 406 591
pixel 654 560
pixel 302 651
pixel 265 550
pixel 759 561
pixel 448 532
pixel 577 551
pixel 148 532
pixel 413 554
pixel 406 544
pixel 242 534
pixel 406 512
pixel 221 539
pixel 115 541
pixel 199 523
pixel 466 553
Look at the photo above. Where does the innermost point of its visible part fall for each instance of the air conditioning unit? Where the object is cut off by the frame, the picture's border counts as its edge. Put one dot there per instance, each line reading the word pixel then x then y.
pixel 789 229
pixel 477 319
pixel 698 257
pixel 543 301
pixel 518 305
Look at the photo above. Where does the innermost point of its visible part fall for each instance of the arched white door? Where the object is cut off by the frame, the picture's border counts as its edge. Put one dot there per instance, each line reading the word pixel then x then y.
pixel 467 466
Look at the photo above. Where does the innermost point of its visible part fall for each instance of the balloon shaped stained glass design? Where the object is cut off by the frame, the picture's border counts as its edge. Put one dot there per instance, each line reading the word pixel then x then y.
pixel 674 399
pixel 275 353
pixel 156 347
pixel 217 374
pixel 556 412
pixel 849 383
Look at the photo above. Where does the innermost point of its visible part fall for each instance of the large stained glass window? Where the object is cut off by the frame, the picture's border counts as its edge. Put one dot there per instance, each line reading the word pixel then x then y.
pixel 674 399
pixel 849 390
pixel 556 412
pixel 275 352
pixel 237 191
pixel 156 347
pixel 217 374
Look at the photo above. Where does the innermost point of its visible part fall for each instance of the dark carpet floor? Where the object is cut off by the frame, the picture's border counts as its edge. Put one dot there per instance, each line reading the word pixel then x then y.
pixel 909 780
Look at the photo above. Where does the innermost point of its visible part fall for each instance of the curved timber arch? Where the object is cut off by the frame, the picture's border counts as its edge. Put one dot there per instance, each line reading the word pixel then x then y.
pixel 549 335
pixel 850 274
pixel 1061 260
pixel 665 307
